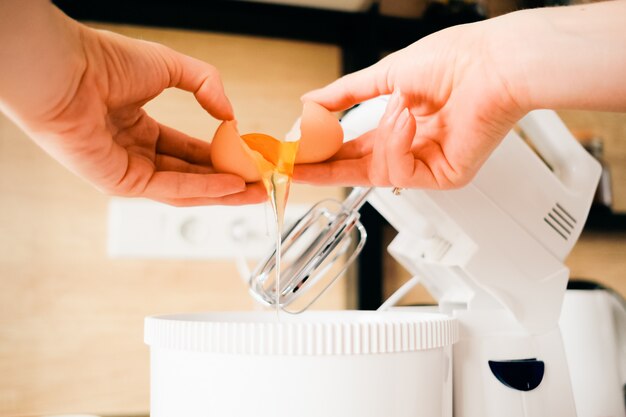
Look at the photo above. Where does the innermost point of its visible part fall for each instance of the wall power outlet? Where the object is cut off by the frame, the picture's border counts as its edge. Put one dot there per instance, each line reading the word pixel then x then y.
pixel 139 228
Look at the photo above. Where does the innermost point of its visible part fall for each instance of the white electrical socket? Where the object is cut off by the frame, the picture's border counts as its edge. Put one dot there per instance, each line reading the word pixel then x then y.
pixel 139 228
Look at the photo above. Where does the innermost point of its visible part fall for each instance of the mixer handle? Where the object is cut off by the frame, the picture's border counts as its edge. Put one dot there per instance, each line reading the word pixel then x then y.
pixel 567 158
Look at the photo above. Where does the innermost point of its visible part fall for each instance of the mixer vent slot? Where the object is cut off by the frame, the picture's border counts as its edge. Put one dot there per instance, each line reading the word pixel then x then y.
pixel 560 221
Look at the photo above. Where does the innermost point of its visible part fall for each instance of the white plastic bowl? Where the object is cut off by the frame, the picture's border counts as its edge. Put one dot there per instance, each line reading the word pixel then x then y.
pixel 316 364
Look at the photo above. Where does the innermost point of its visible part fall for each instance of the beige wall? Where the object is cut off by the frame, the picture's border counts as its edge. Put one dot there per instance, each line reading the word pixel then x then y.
pixel 71 318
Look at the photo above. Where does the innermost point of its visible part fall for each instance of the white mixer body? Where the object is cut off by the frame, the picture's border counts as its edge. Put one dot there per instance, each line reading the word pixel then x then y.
pixel 492 254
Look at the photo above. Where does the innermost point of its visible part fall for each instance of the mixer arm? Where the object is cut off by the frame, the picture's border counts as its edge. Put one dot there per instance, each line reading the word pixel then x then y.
pixel 501 240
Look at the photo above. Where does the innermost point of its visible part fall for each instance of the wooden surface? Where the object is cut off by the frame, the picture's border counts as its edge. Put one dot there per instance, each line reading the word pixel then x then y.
pixel 70 318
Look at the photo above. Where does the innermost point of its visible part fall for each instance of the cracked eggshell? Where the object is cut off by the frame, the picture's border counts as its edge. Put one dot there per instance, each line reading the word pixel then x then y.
pixel 321 135
pixel 229 153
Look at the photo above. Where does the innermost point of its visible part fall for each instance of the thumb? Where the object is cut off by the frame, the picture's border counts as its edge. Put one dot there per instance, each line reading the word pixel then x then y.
pixel 353 88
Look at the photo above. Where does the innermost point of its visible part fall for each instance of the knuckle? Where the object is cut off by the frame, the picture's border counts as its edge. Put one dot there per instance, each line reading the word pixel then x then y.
pixel 452 179
pixel 344 83
pixel 120 189
pixel 212 78
pixel 401 180
pixel 211 73
pixel 461 181
pixel 378 179
pixel 110 191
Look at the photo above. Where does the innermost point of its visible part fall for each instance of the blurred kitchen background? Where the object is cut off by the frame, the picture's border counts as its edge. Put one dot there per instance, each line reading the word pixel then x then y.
pixel 80 270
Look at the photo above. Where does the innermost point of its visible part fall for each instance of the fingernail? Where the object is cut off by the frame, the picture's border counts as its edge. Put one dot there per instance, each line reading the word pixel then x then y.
pixel 402 120
pixel 394 104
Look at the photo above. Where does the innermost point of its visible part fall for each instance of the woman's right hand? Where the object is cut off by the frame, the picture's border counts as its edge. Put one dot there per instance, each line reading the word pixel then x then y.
pixel 448 110
pixel 457 92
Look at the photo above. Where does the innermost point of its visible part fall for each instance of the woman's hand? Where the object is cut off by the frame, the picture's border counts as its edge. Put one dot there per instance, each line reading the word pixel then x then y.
pixel 448 111
pixel 82 102
pixel 459 91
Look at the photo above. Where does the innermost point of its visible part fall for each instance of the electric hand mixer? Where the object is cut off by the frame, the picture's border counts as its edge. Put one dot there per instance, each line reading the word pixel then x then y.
pixel 491 253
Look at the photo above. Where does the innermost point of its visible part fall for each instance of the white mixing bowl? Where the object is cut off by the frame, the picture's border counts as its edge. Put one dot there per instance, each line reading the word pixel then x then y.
pixel 316 364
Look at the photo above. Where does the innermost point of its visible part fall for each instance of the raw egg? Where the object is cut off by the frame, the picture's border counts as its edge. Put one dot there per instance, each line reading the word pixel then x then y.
pixel 252 155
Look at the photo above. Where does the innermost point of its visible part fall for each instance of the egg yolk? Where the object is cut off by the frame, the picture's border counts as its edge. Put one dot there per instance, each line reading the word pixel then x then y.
pixel 272 154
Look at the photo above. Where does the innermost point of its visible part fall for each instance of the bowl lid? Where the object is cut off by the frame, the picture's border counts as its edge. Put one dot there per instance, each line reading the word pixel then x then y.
pixel 308 334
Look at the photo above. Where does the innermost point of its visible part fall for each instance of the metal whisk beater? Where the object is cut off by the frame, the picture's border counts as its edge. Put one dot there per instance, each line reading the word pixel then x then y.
pixel 310 249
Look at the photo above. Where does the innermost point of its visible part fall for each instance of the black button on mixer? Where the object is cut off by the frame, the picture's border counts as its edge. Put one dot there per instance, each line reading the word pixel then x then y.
pixel 519 374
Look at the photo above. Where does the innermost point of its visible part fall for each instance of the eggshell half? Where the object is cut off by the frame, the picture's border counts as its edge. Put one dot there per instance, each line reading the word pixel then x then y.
pixel 321 134
pixel 230 154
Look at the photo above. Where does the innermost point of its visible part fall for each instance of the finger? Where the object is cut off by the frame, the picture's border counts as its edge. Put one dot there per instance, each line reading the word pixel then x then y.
pixel 169 163
pixel 378 170
pixel 203 80
pixel 405 170
pixel 378 167
pixel 179 145
pixel 353 88
pixel 254 194
pixel 345 173
pixel 356 148
pixel 177 185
